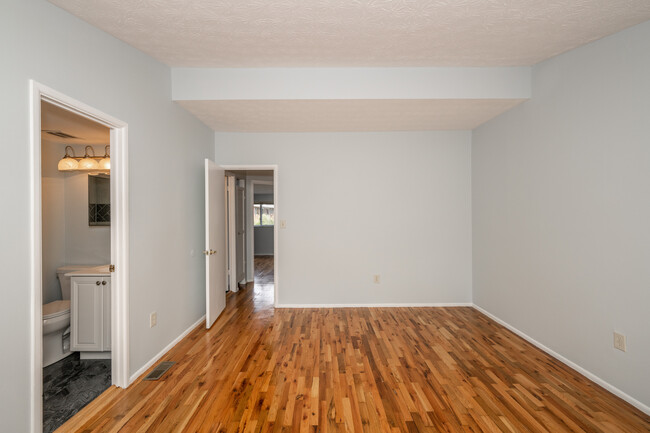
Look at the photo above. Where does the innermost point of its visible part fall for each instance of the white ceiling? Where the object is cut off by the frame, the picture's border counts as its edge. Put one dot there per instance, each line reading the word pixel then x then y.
pixel 54 118
pixel 354 33
pixel 347 115
pixel 317 33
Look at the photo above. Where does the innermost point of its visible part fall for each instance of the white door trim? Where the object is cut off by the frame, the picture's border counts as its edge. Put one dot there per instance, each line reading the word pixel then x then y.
pixel 276 238
pixel 119 242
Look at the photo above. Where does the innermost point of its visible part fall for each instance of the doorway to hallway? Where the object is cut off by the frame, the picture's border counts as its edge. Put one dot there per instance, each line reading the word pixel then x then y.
pixel 251 217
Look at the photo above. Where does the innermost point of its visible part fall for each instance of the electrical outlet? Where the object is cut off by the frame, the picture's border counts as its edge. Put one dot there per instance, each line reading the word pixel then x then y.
pixel 283 224
pixel 376 279
pixel 619 342
pixel 153 319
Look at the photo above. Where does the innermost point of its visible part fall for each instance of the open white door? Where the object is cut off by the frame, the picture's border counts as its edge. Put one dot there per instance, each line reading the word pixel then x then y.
pixel 215 242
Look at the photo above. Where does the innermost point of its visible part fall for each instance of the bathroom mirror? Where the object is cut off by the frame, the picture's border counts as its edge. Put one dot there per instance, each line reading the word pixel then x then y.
pixel 99 200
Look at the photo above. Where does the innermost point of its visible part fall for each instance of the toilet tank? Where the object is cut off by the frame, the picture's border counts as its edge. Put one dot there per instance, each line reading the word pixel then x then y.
pixel 65 281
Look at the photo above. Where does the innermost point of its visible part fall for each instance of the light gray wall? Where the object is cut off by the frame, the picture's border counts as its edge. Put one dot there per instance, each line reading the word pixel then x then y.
pixel 264 241
pixel 53 210
pixel 166 151
pixel 359 204
pixel 561 209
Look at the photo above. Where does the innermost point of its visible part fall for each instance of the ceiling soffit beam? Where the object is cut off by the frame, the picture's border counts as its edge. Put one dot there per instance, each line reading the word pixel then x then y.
pixel 202 84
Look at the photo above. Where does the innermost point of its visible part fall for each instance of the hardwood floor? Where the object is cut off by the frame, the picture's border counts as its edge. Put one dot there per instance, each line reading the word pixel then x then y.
pixel 357 370
pixel 263 270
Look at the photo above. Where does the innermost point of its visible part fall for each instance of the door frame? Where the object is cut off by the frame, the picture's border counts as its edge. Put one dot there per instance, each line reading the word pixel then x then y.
pixel 276 226
pixel 231 231
pixel 119 242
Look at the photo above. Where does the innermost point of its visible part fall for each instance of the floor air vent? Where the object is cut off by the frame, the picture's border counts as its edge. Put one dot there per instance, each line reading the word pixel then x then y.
pixel 157 372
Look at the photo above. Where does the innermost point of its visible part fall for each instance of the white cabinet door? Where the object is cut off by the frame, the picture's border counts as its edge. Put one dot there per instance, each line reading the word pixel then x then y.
pixel 106 319
pixel 86 301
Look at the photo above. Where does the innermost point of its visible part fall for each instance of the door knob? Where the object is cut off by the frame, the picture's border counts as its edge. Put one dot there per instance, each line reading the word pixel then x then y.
pixel 103 283
pixel 209 252
pixel 97 282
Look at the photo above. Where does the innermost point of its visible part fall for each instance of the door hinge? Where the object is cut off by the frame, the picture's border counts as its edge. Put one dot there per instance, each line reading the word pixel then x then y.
pixel 111 268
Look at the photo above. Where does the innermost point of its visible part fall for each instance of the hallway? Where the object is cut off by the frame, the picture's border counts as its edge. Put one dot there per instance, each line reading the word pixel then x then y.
pixel 261 369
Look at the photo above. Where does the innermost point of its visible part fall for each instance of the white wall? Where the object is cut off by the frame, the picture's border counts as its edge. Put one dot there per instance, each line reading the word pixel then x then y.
pixel 166 151
pixel 561 209
pixel 359 204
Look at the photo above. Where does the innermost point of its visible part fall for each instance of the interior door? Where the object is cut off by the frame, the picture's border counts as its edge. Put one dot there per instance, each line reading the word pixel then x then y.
pixel 240 227
pixel 215 242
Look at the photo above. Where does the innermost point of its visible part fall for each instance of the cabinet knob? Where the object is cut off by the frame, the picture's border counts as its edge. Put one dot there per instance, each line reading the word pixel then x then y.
pixel 97 282
pixel 103 283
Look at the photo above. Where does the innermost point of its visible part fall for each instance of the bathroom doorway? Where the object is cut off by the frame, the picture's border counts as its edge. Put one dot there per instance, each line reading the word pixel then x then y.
pixel 79 254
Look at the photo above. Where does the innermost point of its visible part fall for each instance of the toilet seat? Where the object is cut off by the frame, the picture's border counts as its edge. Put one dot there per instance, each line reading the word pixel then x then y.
pixel 56 309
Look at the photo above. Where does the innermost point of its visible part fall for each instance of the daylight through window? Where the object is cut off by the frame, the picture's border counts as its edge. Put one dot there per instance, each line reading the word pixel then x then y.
pixel 263 214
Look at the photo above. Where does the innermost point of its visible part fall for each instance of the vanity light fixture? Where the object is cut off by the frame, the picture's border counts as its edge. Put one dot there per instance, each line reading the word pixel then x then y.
pixel 105 163
pixel 69 163
pixel 88 163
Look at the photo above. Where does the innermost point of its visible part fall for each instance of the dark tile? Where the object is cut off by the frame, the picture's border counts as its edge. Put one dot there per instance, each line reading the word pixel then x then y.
pixel 71 384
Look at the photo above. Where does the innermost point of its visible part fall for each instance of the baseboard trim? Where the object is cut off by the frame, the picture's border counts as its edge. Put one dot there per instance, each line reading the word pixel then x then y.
pixel 167 348
pixel 589 375
pixel 403 305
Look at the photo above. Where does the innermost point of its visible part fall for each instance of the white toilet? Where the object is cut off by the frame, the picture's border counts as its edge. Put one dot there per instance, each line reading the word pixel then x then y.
pixel 56 320
pixel 56 323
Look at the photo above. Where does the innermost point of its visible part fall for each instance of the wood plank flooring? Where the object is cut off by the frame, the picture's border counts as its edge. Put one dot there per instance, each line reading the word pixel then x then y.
pixel 357 370
pixel 263 270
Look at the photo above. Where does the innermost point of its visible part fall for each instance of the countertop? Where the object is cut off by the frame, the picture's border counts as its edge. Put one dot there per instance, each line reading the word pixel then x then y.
pixel 98 271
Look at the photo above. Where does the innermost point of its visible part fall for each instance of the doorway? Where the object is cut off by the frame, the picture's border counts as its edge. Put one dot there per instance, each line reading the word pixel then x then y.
pixel 252 201
pixel 112 290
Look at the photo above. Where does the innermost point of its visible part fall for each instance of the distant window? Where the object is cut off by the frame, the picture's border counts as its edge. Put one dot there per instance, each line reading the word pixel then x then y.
pixel 263 214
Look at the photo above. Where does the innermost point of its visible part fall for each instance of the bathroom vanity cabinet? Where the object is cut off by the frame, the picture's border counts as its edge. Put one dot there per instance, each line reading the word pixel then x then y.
pixel 90 314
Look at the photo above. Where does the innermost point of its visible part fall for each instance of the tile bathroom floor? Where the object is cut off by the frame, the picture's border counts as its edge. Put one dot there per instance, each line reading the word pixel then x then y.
pixel 69 385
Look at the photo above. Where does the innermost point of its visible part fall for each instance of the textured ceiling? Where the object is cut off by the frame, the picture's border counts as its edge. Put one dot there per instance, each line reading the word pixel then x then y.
pixel 347 115
pixel 258 33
